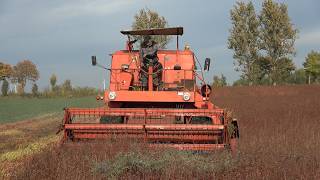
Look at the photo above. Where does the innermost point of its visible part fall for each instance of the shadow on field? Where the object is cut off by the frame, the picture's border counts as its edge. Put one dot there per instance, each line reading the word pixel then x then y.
pixel 279 139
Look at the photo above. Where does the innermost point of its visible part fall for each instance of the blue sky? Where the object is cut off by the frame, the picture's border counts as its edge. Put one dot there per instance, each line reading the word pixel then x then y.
pixel 60 36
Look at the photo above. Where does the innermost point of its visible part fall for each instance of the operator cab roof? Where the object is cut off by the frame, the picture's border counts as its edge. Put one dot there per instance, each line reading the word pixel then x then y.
pixel 155 31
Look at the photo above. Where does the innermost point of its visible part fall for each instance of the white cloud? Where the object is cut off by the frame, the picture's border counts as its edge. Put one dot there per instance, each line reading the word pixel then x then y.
pixel 310 38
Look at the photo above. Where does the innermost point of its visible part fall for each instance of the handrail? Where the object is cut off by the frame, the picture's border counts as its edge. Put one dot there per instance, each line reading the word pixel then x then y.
pixel 116 71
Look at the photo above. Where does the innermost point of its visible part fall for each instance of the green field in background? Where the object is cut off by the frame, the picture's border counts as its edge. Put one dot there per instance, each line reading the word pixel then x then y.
pixel 18 108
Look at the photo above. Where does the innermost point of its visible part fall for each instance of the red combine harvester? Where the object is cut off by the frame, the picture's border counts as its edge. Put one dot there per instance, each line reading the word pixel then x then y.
pixel 153 96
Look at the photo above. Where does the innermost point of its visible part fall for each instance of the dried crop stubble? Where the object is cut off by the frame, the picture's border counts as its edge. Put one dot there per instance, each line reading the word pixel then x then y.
pixel 279 139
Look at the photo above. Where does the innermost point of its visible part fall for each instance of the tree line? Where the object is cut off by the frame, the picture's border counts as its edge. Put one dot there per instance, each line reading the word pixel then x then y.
pixel 263 46
pixel 27 72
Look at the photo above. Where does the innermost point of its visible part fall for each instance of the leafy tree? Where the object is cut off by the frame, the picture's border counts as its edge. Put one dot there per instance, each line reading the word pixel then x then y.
pixel 263 44
pixel 25 71
pixel 5 87
pixel 66 87
pixel 298 77
pixel 219 81
pixel 53 82
pixel 312 66
pixel 240 82
pixel 284 70
pixel 146 19
pixel 244 41
pixel 5 71
pixel 277 36
pixel 34 89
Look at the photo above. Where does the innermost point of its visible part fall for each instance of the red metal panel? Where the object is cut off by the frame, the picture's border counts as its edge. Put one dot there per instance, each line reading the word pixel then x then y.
pixel 194 147
pixel 184 127
pixel 143 112
pixel 168 59
pixel 149 138
pixel 211 136
pixel 182 138
pixel 104 126
pixel 169 127
pixel 106 136
pixel 149 96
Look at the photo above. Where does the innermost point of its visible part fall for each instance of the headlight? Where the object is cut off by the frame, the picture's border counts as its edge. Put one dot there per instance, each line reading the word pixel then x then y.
pixel 112 95
pixel 186 96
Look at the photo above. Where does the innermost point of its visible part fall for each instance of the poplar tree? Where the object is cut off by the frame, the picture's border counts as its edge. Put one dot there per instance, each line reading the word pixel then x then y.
pixel 244 41
pixel 147 19
pixel 277 36
pixel 312 66
pixel 263 44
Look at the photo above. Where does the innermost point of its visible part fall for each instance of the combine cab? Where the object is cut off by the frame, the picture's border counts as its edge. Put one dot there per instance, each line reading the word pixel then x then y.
pixel 153 96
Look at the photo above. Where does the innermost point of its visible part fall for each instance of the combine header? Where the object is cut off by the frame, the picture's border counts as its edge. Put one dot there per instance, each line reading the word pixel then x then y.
pixel 153 96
